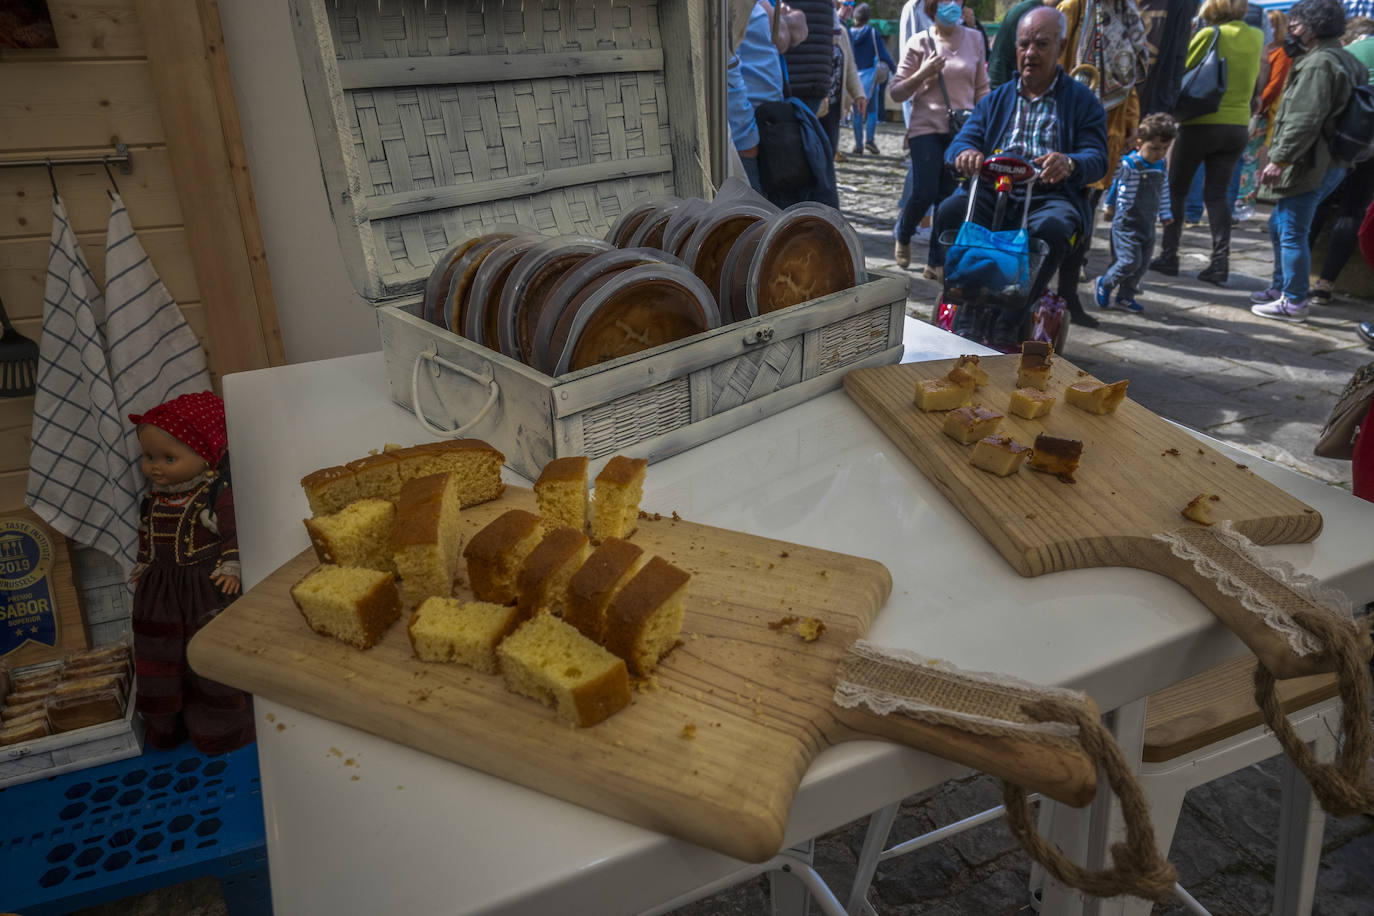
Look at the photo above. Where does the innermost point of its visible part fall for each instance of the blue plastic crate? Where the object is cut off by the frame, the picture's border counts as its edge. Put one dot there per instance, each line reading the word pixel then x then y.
pixel 123 828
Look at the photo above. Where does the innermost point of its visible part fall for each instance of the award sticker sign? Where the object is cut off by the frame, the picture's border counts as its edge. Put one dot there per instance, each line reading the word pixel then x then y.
pixel 28 612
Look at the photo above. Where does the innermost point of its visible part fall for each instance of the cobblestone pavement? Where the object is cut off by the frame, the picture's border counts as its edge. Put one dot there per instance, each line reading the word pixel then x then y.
pixel 1197 356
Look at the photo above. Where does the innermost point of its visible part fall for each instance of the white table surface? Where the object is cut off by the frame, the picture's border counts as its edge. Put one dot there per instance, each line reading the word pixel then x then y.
pixel 399 830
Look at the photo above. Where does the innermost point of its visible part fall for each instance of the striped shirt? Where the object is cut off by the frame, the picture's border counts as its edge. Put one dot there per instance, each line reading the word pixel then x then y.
pixel 1034 127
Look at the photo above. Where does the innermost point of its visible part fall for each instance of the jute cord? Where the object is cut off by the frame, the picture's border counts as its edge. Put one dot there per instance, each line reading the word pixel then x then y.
pixel 1343 787
pixel 1137 867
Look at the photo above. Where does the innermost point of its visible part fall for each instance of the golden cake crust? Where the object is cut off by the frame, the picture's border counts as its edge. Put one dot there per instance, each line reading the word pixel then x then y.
pixel 552 552
pixel 489 552
pixel 562 470
pixel 377 609
pixel 1057 456
pixel 622 471
pixel 418 511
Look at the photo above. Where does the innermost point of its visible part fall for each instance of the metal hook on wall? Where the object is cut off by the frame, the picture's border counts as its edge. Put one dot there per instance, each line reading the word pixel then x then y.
pixel 105 161
pixel 52 178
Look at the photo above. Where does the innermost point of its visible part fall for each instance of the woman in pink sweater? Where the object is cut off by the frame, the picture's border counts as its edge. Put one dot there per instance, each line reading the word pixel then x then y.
pixel 944 71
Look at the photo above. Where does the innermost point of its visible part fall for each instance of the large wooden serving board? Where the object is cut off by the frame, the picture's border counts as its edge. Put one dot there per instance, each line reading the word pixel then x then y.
pixel 1136 475
pixel 758 698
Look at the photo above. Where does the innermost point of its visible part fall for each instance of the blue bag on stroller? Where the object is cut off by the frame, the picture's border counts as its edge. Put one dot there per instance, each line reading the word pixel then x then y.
pixel 985 263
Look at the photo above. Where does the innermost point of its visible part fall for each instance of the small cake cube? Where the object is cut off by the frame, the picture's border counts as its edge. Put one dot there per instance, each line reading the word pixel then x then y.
pixel 359 534
pixel 425 537
pixel 1000 455
pixel 1200 509
pixel 1034 369
pixel 967 425
pixel 645 617
pixel 591 588
pixel 542 585
pixel 550 661
pixel 1053 455
pixel 329 489
pixel 352 605
pixel 968 364
pixel 1030 403
pixel 562 493
pixel 467 632
pixel 942 394
pixel 495 554
pixel 615 506
pixel 1096 397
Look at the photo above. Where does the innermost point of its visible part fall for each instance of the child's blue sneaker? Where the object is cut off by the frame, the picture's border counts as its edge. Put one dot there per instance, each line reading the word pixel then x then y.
pixel 1102 294
pixel 1129 305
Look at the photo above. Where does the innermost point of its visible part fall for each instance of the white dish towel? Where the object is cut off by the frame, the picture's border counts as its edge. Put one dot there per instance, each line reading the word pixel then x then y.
pixel 154 355
pixel 78 480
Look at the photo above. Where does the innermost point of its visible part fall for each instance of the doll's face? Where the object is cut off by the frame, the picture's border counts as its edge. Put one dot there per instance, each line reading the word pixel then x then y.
pixel 167 461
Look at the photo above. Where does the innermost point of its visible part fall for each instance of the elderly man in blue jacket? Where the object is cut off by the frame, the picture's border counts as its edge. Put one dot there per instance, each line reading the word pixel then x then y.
pixel 1052 120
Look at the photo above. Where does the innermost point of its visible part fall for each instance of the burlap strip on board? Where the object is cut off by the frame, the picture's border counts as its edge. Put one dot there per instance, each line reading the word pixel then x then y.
pixel 931 690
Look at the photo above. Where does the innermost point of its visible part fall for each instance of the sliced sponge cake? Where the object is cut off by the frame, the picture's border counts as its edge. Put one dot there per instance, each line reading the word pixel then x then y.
pixel 377 476
pixel 542 586
pixel 329 489
pixel 562 493
pixel 426 536
pixel 619 488
pixel 359 534
pixel 590 589
pixel 495 554
pixel 549 661
pixel 474 464
pixel 353 605
pixel 645 617
pixel 467 632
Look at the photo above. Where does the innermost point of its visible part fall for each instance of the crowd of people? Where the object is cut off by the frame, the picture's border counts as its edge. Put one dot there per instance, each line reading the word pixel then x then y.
pixel 1110 101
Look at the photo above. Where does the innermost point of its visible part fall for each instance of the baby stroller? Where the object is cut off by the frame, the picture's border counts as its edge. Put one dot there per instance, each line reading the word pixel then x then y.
pixel 991 261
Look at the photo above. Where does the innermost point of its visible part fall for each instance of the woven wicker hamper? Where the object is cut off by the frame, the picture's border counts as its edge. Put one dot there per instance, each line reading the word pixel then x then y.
pixel 434 119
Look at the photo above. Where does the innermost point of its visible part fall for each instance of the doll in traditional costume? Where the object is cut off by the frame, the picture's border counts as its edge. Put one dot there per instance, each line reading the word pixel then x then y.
pixel 187 572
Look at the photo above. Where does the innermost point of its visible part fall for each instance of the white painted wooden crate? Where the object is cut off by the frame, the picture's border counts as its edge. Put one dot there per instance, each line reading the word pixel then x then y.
pixel 436 118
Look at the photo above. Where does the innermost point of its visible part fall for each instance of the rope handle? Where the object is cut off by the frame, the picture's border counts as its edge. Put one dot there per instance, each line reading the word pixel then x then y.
pixel 486 377
pixel 1137 868
pixel 1342 787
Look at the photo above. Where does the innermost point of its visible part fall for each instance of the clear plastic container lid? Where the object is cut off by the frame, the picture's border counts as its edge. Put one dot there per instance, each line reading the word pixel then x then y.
pixel 440 278
pixel 572 282
pixel 636 309
pixel 454 305
pixel 649 232
pixel 802 256
pixel 524 294
pixel 714 236
pixel 680 225
pixel 619 233
pixel 484 299
pixel 734 272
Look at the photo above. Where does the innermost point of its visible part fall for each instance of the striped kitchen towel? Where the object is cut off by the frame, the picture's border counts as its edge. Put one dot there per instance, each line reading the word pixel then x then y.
pixel 77 464
pixel 154 355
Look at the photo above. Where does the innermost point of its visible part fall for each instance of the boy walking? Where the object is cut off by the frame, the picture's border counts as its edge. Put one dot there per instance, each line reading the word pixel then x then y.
pixel 1137 198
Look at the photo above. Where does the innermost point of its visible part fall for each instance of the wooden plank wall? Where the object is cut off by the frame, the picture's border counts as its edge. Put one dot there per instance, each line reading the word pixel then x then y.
pixel 96 88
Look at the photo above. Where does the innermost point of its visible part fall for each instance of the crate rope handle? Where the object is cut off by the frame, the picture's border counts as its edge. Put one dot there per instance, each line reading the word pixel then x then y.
pixel 486 378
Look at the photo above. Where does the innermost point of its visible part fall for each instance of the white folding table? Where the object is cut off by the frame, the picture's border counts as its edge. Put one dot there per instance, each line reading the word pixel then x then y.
pixel 399 830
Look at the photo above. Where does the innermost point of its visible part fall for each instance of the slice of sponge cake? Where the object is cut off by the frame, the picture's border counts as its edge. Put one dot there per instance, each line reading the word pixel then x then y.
pixel 645 617
pixel 619 488
pixel 495 554
pixel 353 605
pixel 467 632
pixel 562 493
pixel 591 588
pixel 426 536
pixel 359 534
pixel 542 585
pixel 549 661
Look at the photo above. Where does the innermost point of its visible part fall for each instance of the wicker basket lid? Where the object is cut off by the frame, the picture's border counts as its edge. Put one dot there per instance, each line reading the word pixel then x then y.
pixel 484 300
pixel 598 266
pixel 636 309
pixel 529 283
pixel 802 256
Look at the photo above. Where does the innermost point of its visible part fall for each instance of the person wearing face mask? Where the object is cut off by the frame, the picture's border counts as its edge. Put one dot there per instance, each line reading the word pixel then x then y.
pixel 1301 169
pixel 944 74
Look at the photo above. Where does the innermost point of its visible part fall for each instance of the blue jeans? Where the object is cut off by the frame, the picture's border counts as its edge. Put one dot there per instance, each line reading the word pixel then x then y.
pixel 870 120
pixel 1288 227
pixel 1192 210
pixel 931 182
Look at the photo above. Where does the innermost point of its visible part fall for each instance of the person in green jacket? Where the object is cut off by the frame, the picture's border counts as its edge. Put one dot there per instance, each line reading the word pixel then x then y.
pixel 1301 170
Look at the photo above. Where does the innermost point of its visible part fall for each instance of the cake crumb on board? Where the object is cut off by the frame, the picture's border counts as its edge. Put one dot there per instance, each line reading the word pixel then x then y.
pixel 689 731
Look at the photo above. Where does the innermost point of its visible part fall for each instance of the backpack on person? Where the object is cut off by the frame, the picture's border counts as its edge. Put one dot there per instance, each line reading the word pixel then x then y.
pixel 1353 138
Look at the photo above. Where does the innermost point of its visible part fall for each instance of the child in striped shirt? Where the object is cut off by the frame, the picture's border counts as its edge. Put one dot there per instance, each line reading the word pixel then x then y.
pixel 1139 196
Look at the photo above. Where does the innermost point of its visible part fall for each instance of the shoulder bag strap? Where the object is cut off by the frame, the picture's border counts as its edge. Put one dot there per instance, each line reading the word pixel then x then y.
pixel 944 91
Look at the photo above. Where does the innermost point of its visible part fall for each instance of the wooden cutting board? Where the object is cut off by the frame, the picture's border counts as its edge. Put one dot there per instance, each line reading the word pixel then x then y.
pixel 711 751
pixel 1136 475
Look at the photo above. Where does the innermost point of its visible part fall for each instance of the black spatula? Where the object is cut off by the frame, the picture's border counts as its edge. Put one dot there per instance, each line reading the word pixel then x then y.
pixel 18 360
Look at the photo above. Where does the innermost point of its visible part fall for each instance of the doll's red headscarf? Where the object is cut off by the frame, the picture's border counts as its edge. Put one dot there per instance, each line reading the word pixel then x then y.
pixel 197 420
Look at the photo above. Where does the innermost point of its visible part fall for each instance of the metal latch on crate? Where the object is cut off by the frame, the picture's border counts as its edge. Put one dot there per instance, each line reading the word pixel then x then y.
pixel 759 335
